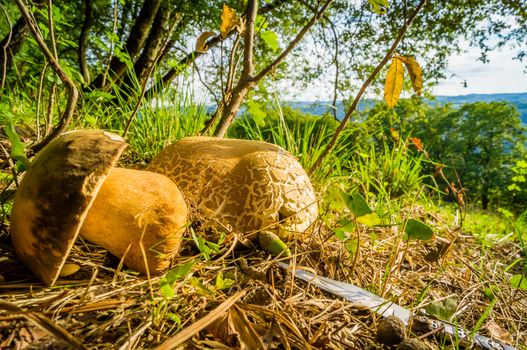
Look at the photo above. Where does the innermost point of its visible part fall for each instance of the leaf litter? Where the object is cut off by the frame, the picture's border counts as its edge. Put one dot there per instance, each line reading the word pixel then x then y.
pixel 104 306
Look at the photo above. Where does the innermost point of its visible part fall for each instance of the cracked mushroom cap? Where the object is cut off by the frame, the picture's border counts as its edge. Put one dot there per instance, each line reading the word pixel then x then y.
pixel 248 185
pixel 55 195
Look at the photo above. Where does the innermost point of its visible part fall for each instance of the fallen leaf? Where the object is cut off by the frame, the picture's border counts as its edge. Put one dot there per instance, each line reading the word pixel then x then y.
pixel 443 309
pixel 248 337
pixel 496 332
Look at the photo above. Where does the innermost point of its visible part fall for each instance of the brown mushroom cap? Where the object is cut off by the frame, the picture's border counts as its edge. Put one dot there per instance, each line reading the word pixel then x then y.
pixel 55 195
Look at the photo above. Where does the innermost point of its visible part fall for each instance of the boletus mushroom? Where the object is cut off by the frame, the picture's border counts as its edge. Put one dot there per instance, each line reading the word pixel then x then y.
pixel 72 188
pixel 247 185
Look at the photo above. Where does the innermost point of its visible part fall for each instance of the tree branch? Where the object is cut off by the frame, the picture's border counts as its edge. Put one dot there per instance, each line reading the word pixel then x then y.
pixel 192 56
pixel 365 85
pixel 248 40
pixel 272 66
pixel 83 41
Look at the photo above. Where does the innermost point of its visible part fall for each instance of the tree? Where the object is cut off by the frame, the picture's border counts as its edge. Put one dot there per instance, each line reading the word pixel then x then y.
pixel 483 142
pixel 479 142
pixel 116 43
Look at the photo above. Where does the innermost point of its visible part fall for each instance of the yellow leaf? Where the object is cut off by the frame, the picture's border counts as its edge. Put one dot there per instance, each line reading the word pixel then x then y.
pixel 229 20
pixel 201 43
pixel 415 72
pixel 394 82
pixel 369 219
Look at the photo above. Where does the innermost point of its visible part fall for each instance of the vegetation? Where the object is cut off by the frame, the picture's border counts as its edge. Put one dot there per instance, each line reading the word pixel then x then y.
pixel 421 203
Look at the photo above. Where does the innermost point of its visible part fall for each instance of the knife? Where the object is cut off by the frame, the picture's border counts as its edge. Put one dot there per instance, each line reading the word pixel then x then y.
pixel 386 308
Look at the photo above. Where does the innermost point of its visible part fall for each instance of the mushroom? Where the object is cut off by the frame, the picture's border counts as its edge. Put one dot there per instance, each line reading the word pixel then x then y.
pixel 72 188
pixel 248 185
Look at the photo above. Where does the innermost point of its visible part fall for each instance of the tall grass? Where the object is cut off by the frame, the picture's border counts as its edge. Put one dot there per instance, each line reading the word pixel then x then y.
pixel 390 172
pixel 302 135
pixel 158 122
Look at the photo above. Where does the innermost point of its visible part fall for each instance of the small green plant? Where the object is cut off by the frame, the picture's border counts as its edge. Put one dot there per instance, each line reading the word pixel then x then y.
pixel 205 247
pixel 389 173
pixel 167 282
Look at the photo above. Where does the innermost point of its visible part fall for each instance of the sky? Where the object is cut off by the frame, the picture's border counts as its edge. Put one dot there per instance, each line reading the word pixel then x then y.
pixel 501 75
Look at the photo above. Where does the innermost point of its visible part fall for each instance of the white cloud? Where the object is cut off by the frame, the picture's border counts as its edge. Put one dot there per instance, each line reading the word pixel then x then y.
pixel 502 74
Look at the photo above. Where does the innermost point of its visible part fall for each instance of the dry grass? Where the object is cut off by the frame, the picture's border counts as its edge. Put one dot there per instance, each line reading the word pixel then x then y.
pixel 264 307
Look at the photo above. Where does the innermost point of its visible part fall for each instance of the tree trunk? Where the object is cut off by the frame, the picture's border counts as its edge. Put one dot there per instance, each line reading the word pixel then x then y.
pixel 163 21
pixel 232 108
pixel 484 200
pixel 83 41
pixel 134 44
pixel 11 44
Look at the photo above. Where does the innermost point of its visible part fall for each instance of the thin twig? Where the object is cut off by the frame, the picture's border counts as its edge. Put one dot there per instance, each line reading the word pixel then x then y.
pixel 73 93
pixel 39 98
pixel 112 42
pixel 52 30
pixel 364 86
pixel 4 48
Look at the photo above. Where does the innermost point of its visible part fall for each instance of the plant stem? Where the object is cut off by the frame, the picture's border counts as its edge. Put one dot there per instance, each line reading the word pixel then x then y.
pixel 364 86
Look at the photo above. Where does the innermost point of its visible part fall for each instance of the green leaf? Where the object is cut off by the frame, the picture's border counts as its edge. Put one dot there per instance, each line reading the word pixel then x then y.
pixel 261 22
pixel 344 229
pixel 270 38
pixel 223 283
pixel 271 243
pixel 18 151
pixel 369 219
pixel 166 289
pixel 166 284
pixel 179 271
pixel 417 230
pixel 379 6
pixel 175 318
pixel 443 309
pixel 519 281
pixel 356 204
pixel 258 114
pixel 491 291
pixel 352 246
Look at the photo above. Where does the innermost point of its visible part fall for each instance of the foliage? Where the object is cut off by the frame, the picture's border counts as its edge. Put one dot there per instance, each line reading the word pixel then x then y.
pixel 305 136
pixel 478 142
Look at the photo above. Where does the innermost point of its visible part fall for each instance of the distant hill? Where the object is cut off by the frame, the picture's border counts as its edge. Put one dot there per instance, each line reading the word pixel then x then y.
pixel 517 99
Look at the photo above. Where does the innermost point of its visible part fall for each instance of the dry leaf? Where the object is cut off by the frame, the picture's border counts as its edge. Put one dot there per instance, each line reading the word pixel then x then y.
pixel 249 338
pixel 496 332
pixel 229 20
pixel 395 134
pixel 394 82
pixel 415 72
pixel 417 143
pixel 201 42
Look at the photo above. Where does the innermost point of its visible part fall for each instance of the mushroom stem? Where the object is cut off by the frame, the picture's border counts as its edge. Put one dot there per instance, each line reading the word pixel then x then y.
pixel 132 204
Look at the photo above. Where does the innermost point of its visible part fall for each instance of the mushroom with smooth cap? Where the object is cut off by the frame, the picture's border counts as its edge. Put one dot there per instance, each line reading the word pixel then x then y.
pixel 249 185
pixel 72 187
